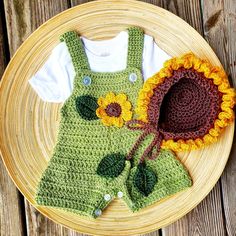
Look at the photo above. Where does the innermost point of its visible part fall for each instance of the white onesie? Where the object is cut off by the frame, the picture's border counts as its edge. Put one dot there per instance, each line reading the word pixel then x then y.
pixel 54 81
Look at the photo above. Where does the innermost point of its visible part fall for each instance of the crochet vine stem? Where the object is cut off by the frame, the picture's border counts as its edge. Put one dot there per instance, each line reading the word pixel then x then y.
pixel 148 128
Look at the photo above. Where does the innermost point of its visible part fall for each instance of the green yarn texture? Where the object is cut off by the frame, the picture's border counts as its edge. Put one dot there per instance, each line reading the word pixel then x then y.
pixel 82 169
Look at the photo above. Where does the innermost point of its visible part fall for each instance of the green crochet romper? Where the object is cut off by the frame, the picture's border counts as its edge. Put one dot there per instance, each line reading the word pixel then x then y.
pixel 88 168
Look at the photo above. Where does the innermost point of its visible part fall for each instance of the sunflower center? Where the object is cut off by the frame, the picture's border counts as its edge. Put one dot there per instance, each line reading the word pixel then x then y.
pixel 113 109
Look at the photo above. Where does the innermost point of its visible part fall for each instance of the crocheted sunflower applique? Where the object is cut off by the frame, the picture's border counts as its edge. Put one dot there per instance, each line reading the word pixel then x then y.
pixel 114 109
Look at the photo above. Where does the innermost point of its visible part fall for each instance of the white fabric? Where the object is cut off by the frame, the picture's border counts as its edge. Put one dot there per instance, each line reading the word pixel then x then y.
pixel 54 80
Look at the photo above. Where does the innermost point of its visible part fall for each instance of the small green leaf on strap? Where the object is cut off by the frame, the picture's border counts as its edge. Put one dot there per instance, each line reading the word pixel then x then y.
pixel 144 179
pixel 111 165
pixel 86 106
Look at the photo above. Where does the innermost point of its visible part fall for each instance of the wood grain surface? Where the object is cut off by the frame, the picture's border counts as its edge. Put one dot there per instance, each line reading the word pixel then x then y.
pixel 213 19
pixel 9 195
pixel 208 217
pixel 219 20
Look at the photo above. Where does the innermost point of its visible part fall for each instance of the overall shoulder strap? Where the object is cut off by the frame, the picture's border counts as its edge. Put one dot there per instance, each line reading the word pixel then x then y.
pixel 76 50
pixel 135 47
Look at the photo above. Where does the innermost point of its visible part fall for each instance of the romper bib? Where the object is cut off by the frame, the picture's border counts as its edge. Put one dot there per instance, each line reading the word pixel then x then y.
pixel 71 180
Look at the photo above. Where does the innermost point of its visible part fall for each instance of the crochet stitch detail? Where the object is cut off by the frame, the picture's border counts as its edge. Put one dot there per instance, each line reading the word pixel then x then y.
pixel 76 50
pixel 134 58
pixel 185 106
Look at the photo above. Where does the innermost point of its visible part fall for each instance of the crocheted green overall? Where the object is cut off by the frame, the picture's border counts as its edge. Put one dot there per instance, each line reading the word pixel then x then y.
pixel 71 180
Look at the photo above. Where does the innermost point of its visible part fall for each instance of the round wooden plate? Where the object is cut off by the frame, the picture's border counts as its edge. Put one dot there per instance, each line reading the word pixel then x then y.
pixel 28 126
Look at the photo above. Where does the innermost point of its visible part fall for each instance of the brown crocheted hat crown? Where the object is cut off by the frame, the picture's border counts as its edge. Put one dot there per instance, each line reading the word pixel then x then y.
pixel 185 105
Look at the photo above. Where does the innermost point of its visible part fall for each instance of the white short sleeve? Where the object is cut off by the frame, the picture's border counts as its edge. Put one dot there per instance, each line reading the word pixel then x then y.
pixel 153 57
pixel 54 80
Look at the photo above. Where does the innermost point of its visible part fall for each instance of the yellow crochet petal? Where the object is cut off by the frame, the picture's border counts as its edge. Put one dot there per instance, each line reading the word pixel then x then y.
pixel 199 142
pixel 121 97
pixel 192 144
pixel 117 121
pixel 214 132
pixel 100 112
pixel 126 105
pixel 110 97
pixel 126 115
pixel 208 139
pixel 107 121
pixel 216 78
pixel 100 101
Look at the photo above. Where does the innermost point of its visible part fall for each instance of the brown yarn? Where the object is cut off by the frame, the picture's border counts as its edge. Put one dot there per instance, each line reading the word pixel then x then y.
pixel 185 105
pixel 113 109
pixel 147 129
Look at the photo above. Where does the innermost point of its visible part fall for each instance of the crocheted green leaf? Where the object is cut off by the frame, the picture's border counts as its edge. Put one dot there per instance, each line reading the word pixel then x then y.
pixel 86 106
pixel 111 165
pixel 144 179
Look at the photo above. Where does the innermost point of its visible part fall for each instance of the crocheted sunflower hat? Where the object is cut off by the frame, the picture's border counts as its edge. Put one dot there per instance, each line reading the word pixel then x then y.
pixel 186 105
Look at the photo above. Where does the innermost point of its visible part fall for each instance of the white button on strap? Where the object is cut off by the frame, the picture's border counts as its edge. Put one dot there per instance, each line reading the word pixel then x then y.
pixel 87 80
pixel 133 77
pixel 98 212
pixel 120 194
pixel 107 197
